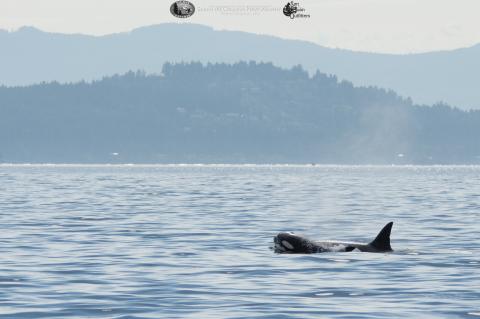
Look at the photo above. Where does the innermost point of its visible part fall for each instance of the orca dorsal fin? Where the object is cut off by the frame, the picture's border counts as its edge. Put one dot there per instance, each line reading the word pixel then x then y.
pixel 382 241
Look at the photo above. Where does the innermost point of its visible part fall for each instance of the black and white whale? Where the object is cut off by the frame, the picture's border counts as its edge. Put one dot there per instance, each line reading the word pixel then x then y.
pixel 290 243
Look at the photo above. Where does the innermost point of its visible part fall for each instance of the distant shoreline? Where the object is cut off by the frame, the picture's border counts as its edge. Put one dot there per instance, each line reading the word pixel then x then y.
pixel 246 165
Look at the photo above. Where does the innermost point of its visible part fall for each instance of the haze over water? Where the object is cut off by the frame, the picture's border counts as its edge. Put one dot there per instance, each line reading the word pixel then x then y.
pixel 193 241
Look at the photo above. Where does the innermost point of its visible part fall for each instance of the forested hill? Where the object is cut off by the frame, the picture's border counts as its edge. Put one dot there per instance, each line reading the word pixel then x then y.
pixel 240 113
pixel 29 56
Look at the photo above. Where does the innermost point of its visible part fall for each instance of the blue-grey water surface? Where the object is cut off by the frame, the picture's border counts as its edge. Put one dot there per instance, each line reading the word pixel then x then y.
pixel 193 241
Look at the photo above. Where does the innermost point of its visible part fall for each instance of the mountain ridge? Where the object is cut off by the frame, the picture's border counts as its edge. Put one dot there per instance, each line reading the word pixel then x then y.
pixel 29 28
pixel 33 56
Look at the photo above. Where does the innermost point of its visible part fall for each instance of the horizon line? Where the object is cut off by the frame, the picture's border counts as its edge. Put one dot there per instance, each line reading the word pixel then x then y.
pixel 226 165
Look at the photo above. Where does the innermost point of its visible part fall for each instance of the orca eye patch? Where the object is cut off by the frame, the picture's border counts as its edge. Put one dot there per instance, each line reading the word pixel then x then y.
pixel 287 244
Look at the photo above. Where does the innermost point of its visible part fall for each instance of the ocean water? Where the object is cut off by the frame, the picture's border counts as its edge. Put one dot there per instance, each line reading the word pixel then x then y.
pixel 195 241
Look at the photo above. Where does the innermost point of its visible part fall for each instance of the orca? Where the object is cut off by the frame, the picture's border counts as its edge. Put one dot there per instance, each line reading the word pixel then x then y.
pixel 290 243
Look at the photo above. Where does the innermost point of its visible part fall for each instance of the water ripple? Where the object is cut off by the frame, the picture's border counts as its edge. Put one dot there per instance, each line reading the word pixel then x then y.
pixel 166 241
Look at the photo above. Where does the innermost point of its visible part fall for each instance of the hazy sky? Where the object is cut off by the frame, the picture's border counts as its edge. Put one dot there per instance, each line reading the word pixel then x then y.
pixel 398 26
